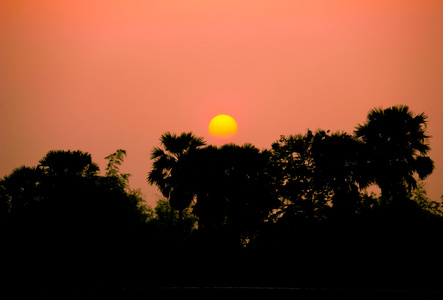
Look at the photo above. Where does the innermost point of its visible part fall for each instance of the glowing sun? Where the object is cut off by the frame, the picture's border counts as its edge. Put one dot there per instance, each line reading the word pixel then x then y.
pixel 223 127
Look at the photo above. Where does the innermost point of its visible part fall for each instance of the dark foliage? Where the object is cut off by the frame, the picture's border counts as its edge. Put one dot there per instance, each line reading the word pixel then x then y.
pixel 296 215
pixel 61 217
pixel 397 145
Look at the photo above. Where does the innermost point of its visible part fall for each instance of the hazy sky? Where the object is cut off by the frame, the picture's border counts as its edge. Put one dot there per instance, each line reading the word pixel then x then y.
pixel 101 75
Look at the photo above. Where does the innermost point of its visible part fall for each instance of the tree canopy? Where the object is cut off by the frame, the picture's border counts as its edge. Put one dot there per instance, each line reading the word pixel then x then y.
pixel 301 205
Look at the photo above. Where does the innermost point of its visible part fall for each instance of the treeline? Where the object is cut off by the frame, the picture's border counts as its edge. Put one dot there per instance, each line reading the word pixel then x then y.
pixel 315 177
pixel 296 214
pixel 64 226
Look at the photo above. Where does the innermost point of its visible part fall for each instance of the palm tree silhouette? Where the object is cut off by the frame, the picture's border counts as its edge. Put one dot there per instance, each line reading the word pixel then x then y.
pixel 166 169
pixel 21 191
pixel 397 146
pixel 69 163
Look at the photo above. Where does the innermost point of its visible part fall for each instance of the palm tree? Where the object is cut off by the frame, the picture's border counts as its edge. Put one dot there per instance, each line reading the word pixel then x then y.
pixel 69 163
pixel 21 191
pixel 397 145
pixel 168 162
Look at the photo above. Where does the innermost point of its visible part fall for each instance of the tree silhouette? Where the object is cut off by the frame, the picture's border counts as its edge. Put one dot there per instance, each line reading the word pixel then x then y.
pixel 301 205
pixel 397 145
pixel 340 163
pixel 233 188
pixel 21 192
pixel 61 215
pixel 166 171
pixel 65 190
pixel 249 183
pixel 69 163
pixel 303 192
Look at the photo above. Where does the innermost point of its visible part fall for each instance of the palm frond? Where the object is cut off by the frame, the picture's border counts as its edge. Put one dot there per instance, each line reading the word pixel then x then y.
pixel 157 152
pixel 167 161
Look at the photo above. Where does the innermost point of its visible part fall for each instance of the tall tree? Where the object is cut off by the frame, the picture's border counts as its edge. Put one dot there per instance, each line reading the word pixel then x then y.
pixel 167 167
pixel 397 146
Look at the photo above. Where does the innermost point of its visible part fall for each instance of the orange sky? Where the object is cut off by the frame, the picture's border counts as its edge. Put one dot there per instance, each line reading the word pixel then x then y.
pixel 102 75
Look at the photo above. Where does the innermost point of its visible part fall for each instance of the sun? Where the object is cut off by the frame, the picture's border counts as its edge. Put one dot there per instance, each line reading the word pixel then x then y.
pixel 223 128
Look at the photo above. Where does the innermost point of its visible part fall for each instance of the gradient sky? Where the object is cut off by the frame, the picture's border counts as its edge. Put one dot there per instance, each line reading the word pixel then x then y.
pixel 101 75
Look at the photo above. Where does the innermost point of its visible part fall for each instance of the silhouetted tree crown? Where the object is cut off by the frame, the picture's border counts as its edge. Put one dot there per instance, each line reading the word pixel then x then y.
pixel 397 146
pixel 69 163
pixel 318 171
pixel 166 168
pixel 65 189
pixel 233 186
